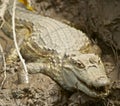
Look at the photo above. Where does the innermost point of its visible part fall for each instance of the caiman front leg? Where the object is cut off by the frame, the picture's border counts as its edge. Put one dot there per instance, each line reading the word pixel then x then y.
pixel 36 67
pixel 32 68
pixel 44 68
pixel 48 69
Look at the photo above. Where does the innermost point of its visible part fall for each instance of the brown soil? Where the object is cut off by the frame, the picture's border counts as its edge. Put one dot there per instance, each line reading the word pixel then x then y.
pixel 100 20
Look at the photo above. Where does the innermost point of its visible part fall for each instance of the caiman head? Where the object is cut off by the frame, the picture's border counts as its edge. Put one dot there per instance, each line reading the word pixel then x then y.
pixel 86 72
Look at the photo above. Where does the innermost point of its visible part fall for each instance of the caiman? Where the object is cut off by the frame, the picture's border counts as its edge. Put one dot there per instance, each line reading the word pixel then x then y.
pixel 58 50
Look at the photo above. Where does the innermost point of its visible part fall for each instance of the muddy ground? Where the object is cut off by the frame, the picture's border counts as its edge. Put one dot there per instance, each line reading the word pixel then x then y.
pixel 100 19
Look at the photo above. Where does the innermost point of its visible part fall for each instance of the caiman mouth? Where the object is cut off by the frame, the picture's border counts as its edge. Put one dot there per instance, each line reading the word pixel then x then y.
pixel 92 90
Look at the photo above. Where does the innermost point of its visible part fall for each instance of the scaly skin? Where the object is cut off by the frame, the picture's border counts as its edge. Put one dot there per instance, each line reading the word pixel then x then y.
pixel 59 51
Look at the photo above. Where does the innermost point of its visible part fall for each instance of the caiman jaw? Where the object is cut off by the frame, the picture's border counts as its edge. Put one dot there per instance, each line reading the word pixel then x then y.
pixel 92 90
pixel 73 81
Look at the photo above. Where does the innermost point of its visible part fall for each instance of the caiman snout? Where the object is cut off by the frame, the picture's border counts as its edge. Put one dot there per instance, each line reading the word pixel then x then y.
pixel 102 82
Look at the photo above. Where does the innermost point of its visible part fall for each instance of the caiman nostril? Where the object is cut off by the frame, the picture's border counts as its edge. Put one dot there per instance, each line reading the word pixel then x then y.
pixel 102 81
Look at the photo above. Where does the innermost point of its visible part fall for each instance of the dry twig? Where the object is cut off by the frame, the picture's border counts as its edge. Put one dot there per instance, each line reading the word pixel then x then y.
pixel 4 66
pixel 2 11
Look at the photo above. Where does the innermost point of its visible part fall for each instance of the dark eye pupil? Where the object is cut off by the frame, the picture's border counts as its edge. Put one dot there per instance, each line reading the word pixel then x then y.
pixel 80 65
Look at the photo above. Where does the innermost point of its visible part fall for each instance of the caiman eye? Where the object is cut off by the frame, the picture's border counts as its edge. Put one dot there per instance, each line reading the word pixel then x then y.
pixel 80 64
pixel 92 60
pixel 77 63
